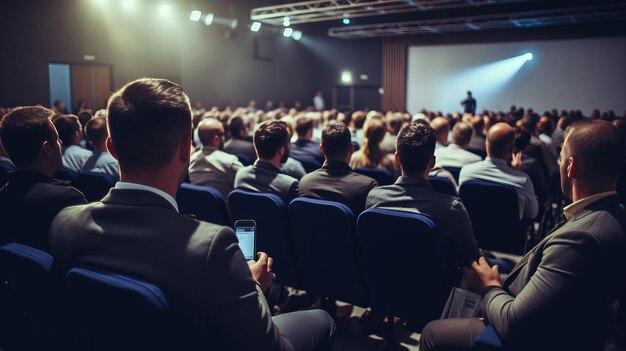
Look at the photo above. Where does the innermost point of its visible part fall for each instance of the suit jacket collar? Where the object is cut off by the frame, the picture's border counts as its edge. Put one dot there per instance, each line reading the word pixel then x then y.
pixel 24 176
pixel 336 165
pixel 135 197
pixel 267 166
pixel 420 182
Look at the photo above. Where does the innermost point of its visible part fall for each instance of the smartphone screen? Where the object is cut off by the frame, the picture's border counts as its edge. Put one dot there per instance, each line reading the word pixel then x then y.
pixel 245 234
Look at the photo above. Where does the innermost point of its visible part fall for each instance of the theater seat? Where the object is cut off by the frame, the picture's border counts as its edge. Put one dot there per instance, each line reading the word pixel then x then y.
pixel 324 233
pixel 94 185
pixel 310 165
pixel 455 171
pixel 381 176
pixel 272 230
pixel 118 312
pixel 204 202
pixel 405 261
pixel 31 313
pixel 442 185
pixel 487 340
pixel 65 174
pixel 244 160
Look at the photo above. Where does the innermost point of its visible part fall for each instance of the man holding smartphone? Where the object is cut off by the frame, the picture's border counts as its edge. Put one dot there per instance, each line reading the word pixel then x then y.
pixel 136 230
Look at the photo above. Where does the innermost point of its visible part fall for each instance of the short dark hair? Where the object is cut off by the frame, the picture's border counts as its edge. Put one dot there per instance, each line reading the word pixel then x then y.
pixel 336 140
pixel 303 125
pixel 270 137
pixel 599 146
pixel 24 130
pixel 416 147
pixel 147 119
pixel 235 126
pixel 84 117
pixel 67 126
pixel 96 130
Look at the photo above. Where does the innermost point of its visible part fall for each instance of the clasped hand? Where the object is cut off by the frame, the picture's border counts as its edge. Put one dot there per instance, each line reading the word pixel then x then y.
pixel 480 275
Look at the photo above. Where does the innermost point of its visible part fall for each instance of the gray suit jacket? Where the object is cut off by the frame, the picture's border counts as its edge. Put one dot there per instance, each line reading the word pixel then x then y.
pixel 197 264
pixel 236 146
pixel 558 296
pixel 263 177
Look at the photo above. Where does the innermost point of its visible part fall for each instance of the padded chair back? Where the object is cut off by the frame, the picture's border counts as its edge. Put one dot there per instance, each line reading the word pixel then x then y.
pixel 94 185
pixel 244 160
pixel 204 202
pixel 405 260
pixel 273 234
pixel 5 168
pixel 442 185
pixel 381 176
pixel 455 171
pixel 328 228
pixel 480 152
pixel 30 295
pixel 65 174
pixel 494 212
pixel 310 165
pixel 118 312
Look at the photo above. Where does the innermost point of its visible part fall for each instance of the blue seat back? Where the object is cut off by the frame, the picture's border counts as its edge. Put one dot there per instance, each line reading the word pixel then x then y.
pixel 324 233
pixel 443 185
pixel 65 174
pixel 94 185
pixel 494 212
pixel 30 298
pixel 480 152
pixel 273 234
pixel 119 312
pixel 310 165
pixel 5 168
pixel 487 340
pixel 381 176
pixel 455 171
pixel 203 202
pixel 244 159
pixel 405 260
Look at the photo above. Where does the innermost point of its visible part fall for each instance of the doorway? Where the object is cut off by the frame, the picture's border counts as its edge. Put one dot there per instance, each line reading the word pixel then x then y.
pixel 72 83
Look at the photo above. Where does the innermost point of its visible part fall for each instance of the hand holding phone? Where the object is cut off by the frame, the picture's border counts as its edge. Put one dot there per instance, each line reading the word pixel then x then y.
pixel 246 234
pixel 261 270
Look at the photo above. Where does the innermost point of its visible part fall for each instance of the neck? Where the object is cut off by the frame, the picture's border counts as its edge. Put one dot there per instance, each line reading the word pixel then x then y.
pixel 101 147
pixel 153 179
pixel 581 190
pixel 274 161
pixel 38 168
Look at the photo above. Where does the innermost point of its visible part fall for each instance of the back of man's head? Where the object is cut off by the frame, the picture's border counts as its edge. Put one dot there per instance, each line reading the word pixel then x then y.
pixel 68 127
pixel 270 137
pixel 303 126
pixel 415 146
pixel 23 132
pixel 84 117
pixel 208 129
pixel 395 123
pixel 336 141
pixel 598 147
pixel 441 126
pixel 500 140
pixel 236 126
pixel 478 124
pixel 97 131
pixel 461 134
pixel 147 120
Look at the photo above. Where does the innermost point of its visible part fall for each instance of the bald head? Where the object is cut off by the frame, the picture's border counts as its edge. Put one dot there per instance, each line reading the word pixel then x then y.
pixel 211 132
pixel 462 134
pixel 500 140
pixel 442 128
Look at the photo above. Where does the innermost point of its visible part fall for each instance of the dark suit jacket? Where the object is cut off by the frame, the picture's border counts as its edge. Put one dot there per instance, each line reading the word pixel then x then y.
pixel 477 142
pixel 263 177
pixel 448 213
pixel 307 150
pixel 335 181
pixel 198 265
pixel 558 296
pixel 28 204
pixel 236 146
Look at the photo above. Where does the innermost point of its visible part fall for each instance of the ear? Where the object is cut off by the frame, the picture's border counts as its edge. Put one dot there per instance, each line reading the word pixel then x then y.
pixel 111 149
pixel 433 160
pixel 185 148
pixel 47 149
pixel 397 157
pixel 572 168
pixel 322 148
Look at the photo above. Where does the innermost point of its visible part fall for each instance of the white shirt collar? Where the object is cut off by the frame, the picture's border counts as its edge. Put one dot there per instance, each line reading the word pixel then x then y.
pixel 135 186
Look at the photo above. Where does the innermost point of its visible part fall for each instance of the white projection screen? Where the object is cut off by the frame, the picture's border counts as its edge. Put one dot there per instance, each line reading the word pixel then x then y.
pixel 565 74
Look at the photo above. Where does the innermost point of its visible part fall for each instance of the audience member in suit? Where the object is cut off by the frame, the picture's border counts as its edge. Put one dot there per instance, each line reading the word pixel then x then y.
pixel 531 165
pixel 412 192
pixel 70 133
pixel 137 230
pixel 455 155
pixel 495 168
pixel 210 166
pixel 304 148
pixel 31 198
pixel 271 141
pixel 559 296
pixel 477 142
pixel 238 143
pixel 335 181
pixel 370 155
pixel 101 160
pixel 441 126
pixel 538 149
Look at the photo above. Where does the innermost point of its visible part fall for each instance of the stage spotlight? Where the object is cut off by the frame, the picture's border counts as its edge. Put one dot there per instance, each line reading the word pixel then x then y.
pixel 208 19
pixel 286 21
pixel 195 15
pixel 346 77
pixel 346 21
pixel 287 32
pixel 234 23
pixel 255 27
pixel 165 9
pixel 296 34
pixel 528 56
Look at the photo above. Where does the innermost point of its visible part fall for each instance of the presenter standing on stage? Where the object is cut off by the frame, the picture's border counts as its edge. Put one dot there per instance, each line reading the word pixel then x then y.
pixel 469 104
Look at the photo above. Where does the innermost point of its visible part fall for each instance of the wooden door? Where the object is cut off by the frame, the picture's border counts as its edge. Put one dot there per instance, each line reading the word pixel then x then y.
pixel 92 83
